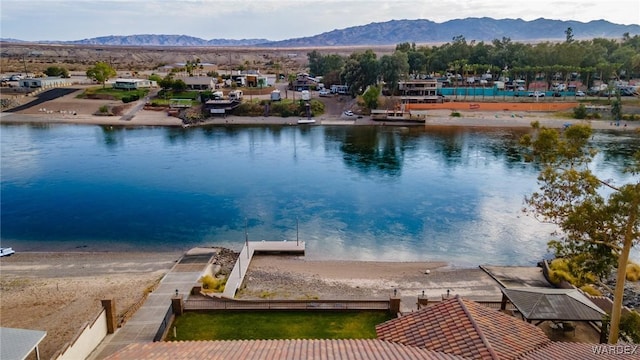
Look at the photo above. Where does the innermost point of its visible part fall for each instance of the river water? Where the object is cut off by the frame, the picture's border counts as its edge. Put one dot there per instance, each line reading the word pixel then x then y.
pixel 365 193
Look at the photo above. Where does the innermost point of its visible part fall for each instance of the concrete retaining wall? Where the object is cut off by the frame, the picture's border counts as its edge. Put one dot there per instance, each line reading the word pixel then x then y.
pixel 87 340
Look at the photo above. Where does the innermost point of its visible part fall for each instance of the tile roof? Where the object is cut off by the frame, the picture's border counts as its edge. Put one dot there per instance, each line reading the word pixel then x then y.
pixel 277 350
pixel 553 304
pixel 464 328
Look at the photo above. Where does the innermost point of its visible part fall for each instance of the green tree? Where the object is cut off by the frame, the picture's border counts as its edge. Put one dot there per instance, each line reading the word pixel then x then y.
pixel 417 61
pixel 191 65
pixel 360 71
pixel 370 97
pixel 315 62
pixel 57 71
pixel 155 77
pixel 569 34
pixel 178 85
pixel 598 220
pixel 393 68
pixel 616 107
pixel 101 72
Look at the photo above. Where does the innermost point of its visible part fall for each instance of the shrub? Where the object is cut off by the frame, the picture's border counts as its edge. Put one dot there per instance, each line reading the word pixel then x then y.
pixel 213 284
pixel 455 114
pixel 633 272
pixel 580 112
pixel 588 289
pixel 630 325
pixel 104 109
pixel 557 276
pixel 559 264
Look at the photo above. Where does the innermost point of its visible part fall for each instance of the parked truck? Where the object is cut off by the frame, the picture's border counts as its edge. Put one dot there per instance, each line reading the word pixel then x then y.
pixel 306 95
pixel 275 95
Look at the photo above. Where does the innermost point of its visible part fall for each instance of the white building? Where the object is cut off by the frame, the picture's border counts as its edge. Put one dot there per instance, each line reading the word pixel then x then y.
pixel 131 84
pixel 42 83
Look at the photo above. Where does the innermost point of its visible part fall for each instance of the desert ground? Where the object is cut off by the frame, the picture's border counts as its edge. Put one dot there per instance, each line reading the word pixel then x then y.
pixel 61 292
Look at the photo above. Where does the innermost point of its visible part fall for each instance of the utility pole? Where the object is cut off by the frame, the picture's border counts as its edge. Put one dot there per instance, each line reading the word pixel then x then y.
pixel 24 61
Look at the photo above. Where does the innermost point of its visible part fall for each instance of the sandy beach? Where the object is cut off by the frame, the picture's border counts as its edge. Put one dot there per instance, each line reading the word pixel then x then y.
pixel 438 118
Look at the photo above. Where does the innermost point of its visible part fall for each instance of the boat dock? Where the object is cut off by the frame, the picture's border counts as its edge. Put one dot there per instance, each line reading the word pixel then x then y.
pixel 235 279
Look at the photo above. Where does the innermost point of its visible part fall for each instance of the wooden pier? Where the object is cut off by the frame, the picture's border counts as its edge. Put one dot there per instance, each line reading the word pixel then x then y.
pixel 244 259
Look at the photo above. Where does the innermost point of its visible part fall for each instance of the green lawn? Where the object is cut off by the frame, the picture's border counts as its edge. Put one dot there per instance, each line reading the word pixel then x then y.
pixel 277 325
pixel 117 94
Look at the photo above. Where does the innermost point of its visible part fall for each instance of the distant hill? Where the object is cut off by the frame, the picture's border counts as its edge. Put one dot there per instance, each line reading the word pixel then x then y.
pixel 479 29
pixel 394 32
pixel 164 40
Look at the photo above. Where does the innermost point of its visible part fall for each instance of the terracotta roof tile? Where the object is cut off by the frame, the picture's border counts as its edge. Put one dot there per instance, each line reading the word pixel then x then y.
pixel 277 350
pixel 465 328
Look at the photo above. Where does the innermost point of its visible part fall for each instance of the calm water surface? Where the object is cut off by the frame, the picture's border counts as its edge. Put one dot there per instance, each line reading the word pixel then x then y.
pixel 368 193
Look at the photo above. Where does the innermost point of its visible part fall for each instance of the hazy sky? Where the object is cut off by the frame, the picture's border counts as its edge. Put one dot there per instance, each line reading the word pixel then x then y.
pixel 33 20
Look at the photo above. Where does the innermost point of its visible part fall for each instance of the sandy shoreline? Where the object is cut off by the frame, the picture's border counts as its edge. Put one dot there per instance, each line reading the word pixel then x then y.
pixel 438 118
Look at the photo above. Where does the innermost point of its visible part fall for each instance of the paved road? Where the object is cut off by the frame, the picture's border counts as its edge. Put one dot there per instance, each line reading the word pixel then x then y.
pixel 44 97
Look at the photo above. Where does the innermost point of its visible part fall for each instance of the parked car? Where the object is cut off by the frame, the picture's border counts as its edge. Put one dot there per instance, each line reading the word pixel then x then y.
pixel 580 93
pixel 324 92
pixel 536 94
pixel 348 112
pixel 557 94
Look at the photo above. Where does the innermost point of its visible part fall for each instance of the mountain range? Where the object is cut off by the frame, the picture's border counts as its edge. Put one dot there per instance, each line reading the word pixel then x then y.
pixel 394 32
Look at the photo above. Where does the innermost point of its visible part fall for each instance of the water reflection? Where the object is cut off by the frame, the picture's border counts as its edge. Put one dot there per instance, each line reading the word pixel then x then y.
pixel 371 193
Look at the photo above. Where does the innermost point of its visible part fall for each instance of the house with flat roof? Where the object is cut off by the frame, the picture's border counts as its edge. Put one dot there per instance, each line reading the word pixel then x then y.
pixel 131 84
pixel 199 82
pixel 419 91
pixel 41 83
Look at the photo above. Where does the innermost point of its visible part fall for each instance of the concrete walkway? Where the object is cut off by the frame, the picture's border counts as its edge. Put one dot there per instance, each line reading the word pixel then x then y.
pixel 144 324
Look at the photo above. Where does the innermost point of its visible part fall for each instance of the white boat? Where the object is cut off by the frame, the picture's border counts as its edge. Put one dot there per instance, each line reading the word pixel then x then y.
pixel 306 121
pixel 6 251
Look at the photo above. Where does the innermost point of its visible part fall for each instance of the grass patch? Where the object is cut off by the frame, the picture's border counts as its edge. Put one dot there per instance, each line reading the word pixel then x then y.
pixel 277 325
pixel 115 94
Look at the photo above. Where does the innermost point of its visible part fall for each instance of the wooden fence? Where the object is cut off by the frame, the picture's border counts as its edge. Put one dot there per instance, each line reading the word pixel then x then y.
pixel 335 305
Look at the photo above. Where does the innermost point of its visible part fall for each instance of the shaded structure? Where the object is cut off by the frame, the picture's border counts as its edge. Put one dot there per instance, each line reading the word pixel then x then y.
pixel 20 343
pixel 220 107
pixel 557 305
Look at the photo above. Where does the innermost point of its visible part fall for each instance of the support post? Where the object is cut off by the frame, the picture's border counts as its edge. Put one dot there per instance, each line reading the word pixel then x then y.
pixel 177 304
pixel 394 303
pixel 109 306
pixel 422 301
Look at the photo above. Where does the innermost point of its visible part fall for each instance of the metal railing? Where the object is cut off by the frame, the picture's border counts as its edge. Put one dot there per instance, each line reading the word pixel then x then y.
pixel 166 321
